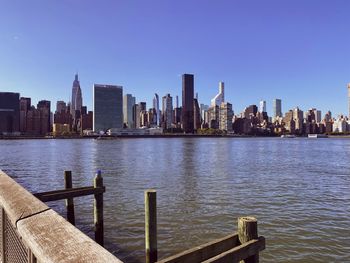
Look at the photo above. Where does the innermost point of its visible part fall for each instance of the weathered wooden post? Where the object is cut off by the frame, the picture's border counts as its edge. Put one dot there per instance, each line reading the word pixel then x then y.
pixel 248 230
pixel 151 226
pixel 69 201
pixel 98 209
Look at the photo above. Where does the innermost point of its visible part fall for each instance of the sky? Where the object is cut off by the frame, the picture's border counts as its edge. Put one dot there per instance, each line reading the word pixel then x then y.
pixel 295 50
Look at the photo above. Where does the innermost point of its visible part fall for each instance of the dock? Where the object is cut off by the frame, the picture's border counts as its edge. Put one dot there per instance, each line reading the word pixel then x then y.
pixel 32 232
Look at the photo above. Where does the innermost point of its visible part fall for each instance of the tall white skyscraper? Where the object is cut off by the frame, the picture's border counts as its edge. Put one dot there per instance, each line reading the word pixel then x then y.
pixel 220 97
pixel 128 104
pixel 77 98
pixel 262 106
pixel 107 107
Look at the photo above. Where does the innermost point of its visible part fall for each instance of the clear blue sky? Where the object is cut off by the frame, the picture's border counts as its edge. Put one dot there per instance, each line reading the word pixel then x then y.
pixel 296 50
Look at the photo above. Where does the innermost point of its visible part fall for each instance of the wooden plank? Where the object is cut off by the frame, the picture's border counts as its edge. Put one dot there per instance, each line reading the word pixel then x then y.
pixel 69 193
pixel 205 251
pixel 17 201
pixel 241 252
pixel 53 239
pixel 151 226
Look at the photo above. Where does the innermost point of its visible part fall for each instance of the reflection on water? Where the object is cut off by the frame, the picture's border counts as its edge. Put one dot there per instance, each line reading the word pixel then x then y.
pixel 298 189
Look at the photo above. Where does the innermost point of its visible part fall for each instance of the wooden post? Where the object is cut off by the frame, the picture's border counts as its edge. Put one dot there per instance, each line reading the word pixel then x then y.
pixel 69 201
pixel 98 210
pixel 248 230
pixel 151 225
pixel 3 237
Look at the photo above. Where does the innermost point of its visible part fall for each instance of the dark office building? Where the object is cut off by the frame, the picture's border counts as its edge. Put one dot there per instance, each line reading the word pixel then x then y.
pixel 9 112
pixel 187 103
pixel 44 106
pixel 197 115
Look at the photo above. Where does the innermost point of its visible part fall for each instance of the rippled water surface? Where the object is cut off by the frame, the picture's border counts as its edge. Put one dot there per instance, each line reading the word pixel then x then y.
pixel 299 189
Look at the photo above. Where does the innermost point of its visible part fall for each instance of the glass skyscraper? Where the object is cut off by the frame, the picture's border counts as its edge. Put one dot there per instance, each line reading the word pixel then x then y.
pixel 108 107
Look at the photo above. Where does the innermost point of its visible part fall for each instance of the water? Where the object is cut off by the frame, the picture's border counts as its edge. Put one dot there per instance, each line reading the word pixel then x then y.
pixel 299 189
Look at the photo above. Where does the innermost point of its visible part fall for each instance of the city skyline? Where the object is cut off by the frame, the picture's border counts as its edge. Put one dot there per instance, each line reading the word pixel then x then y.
pixel 290 50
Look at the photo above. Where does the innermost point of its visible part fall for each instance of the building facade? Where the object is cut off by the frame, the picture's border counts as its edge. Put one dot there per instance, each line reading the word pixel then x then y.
pixel 128 104
pixel 277 108
pixel 220 97
pixel 226 115
pixel 167 110
pixel 108 107
pixel 9 113
pixel 187 103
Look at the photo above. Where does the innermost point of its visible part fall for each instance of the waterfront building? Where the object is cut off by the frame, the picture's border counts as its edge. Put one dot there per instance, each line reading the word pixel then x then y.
pixel 220 97
pixel 86 122
pixel 108 107
pixel 167 109
pixel 262 106
pixel 298 119
pixel 24 107
pixel 317 114
pixel 197 115
pixel 289 123
pixel 60 129
pixel 213 117
pixel 187 103
pixel 328 116
pixel 143 106
pixel 156 107
pixel 77 99
pixel 204 108
pixel 226 115
pixel 250 111
pixel 277 108
pixel 61 106
pixel 177 117
pixel 44 106
pixel 9 113
pixel 136 116
pixel 340 125
pixel 128 105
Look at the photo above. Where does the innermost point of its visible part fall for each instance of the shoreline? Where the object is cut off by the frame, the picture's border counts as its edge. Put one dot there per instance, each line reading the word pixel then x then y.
pixel 115 137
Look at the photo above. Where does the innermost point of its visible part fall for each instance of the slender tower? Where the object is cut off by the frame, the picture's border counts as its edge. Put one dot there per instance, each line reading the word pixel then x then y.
pixel 77 99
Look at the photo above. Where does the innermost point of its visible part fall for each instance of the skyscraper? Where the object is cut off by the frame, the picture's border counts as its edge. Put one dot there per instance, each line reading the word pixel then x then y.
pixel 226 115
pixel 9 112
pixel 77 99
pixel 156 107
pixel 44 106
pixel 128 104
pixel 262 106
pixel 220 97
pixel 187 103
pixel 349 100
pixel 108 107
pixel 61 106
pixel 277 108
pixel 167 110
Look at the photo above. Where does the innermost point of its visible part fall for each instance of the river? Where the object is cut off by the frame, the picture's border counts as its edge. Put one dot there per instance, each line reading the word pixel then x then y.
pixel 298 189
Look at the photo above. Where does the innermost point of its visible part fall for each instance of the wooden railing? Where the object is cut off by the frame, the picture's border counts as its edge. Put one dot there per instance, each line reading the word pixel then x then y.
pixel 32 232
pixel 243 246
